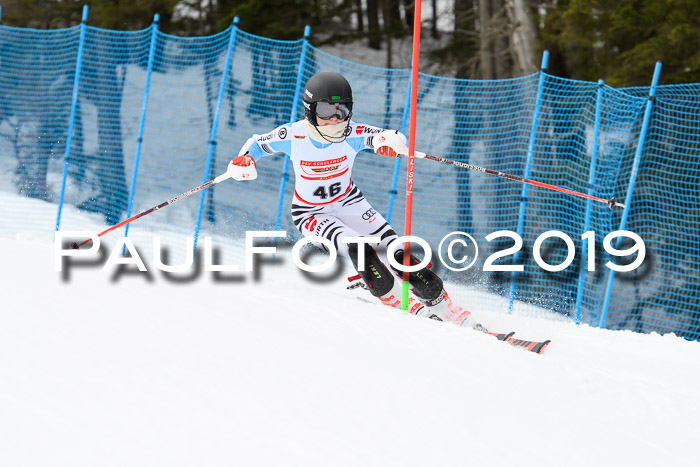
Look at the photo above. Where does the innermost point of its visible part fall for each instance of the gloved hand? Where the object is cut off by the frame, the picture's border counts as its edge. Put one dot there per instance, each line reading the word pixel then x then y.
pixel 240 168
pixel 389 143
pixel 386 151
pixel 244 160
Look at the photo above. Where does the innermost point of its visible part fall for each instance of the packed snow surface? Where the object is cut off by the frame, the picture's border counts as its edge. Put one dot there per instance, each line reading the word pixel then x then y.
pixel 121 367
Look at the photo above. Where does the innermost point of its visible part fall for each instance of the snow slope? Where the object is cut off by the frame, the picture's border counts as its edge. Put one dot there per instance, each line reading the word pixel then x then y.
pixel 102 368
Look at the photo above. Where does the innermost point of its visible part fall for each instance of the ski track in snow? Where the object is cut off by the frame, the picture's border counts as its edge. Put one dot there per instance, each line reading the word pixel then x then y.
pixel 139 370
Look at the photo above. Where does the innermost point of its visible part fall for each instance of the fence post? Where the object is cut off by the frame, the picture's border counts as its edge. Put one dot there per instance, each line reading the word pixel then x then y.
pixel 144 105
pixel 633 179
pixel 73 106
pixel 528 166
pixel 397 163
pixel 215 125
pixel 292 118
pixel 591 185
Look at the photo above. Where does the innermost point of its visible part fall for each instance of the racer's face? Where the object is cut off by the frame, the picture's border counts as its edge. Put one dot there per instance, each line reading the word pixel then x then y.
pixel 331 121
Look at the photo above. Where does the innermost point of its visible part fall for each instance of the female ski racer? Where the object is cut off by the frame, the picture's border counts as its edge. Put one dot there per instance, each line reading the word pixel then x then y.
pixel 327 203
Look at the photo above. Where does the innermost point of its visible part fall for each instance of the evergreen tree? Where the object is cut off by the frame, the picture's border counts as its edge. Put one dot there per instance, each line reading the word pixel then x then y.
pixel 108 14
pixel 620 40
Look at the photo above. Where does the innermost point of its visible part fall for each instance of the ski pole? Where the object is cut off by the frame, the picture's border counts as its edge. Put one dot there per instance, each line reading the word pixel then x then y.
pixel 234 171
pixel 610 202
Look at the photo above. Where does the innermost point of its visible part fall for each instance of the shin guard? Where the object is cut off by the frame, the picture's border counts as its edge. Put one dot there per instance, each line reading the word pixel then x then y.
pixel 377 277
pixel 425 283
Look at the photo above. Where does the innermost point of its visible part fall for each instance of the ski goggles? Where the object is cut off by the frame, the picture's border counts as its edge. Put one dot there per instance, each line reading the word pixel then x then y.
pixel 328 110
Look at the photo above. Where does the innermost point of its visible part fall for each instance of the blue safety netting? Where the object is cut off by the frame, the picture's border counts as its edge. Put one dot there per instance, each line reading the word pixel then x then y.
pixel 112 123
pixel 665 212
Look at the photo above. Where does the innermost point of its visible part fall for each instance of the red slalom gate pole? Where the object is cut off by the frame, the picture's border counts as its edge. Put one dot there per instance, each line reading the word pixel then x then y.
pixel 411 148
pixel 610 202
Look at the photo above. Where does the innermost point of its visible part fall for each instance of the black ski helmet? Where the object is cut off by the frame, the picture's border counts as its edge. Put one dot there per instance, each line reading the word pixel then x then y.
pixel 328 87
